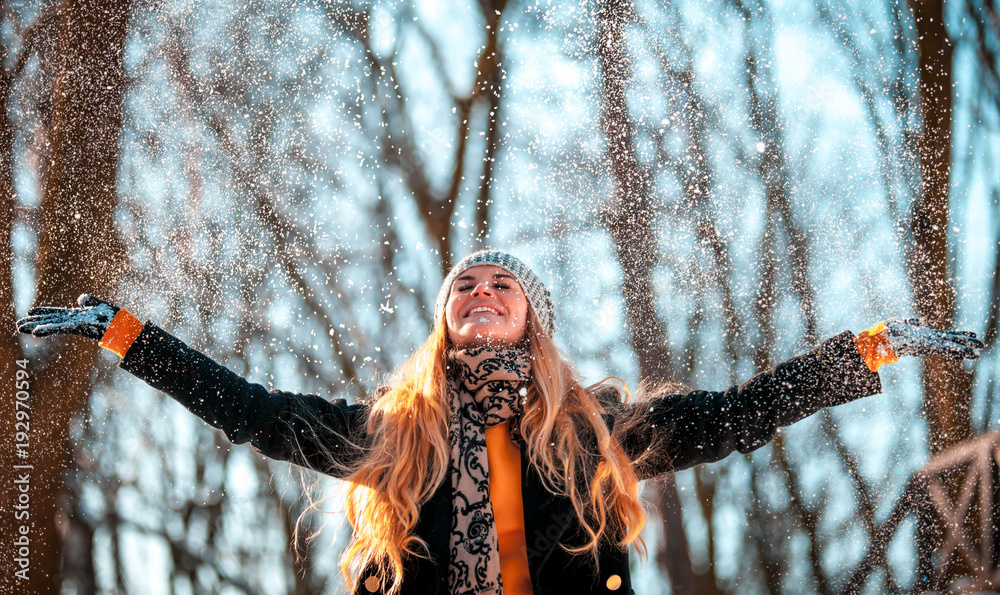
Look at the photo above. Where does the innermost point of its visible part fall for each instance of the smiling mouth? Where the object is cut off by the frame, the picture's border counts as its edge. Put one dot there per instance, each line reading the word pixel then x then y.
pixel 484 310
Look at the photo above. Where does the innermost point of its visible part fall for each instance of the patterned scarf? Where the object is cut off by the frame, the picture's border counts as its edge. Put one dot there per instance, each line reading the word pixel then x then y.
pixel 487 387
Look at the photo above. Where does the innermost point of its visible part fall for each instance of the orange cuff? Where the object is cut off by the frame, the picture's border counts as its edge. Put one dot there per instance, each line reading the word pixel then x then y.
pixel 873 345
pixel 121 333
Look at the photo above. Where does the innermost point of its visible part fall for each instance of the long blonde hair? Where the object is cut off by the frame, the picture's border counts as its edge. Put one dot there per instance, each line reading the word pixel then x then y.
pixel 409 458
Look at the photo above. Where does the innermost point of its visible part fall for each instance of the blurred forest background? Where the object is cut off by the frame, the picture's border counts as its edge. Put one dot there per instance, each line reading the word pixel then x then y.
pixel 707 187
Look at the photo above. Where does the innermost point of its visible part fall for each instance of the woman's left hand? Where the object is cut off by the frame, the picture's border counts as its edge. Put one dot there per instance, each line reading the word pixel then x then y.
pixel 909 337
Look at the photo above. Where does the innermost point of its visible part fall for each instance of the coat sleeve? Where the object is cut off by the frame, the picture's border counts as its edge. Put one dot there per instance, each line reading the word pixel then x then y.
pixel 675 432
pixel 327 436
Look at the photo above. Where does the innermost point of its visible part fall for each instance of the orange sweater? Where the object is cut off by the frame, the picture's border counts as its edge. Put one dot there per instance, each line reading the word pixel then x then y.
pixel 508 510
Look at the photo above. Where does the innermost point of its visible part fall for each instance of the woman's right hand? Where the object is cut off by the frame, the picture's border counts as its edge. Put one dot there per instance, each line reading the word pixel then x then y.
pixel 90 320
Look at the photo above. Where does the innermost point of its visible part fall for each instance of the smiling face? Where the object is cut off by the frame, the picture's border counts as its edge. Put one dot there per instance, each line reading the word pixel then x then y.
pixel 487 307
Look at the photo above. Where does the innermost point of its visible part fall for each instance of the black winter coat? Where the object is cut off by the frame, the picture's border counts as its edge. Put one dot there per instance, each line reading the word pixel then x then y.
pixel 693 428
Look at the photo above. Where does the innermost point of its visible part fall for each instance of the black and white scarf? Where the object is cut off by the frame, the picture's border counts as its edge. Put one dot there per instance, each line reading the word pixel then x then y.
pixel 487 387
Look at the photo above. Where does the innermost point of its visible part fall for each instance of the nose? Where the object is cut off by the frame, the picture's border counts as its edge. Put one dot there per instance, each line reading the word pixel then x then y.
pixel 482 288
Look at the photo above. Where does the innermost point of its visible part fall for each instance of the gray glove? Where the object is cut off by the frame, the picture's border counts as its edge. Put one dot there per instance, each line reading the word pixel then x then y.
pixel 90 320
pixel 909 337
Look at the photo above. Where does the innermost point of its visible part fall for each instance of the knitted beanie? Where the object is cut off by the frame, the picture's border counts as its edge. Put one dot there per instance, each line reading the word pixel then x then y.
pixel 538 296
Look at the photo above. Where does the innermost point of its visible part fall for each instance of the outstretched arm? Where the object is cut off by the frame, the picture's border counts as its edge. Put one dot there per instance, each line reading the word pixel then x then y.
pixel 304 429
pixel 680 431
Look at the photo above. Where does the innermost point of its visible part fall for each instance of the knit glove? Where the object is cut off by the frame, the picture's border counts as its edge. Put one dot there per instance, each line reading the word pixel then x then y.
pixel 887 341
pixel 909 337
pixel 90 320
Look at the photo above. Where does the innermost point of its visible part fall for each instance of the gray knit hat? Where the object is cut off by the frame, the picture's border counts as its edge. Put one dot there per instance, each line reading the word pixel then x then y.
pixel 538 296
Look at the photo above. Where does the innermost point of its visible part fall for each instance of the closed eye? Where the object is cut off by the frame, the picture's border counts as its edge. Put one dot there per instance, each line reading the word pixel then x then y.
pixel 498 285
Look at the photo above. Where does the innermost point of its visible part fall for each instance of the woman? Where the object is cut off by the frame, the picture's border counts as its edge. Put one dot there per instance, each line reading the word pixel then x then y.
pixel 484 466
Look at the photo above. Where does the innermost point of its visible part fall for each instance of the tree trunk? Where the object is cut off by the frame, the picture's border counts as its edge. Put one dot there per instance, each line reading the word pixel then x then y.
pixel 78 250
pixel 947 386
pixel 629 218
